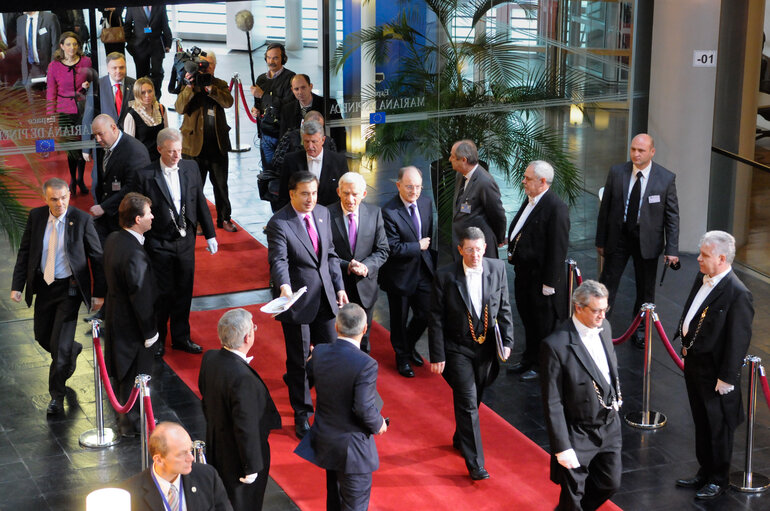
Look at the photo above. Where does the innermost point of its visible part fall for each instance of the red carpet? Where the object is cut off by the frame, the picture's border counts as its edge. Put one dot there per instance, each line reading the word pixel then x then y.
pixel 419 469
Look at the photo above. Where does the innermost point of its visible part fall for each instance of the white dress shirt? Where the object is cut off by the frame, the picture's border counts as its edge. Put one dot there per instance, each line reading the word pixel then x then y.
pixel 240 354
pixel 532 202
pixel 593 343
pixel 700 297
pixel 473 281
pixel 314 164
pixel 171 175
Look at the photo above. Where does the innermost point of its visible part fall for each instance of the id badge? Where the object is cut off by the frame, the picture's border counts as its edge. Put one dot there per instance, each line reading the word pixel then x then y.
pixel 147 30
pixel 465 208
pixel 116 186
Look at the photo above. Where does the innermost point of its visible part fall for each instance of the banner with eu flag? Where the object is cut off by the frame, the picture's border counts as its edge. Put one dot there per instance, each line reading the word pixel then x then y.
pixel 45 145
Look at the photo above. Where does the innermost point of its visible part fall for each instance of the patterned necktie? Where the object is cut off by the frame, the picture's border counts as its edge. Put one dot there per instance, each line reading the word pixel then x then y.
pixel 173 498
pixel 632 212
pixel 49 272
pixel 30 40
pixel 107 154
pixel 352 232
pixel 415 218
pixel 311 232
pixel 118 98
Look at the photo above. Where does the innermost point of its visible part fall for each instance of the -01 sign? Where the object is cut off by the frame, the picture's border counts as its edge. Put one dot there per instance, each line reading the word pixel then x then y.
pixel 704 58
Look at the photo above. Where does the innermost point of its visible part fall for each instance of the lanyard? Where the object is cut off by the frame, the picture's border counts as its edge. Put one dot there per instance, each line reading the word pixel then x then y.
pixel 163 497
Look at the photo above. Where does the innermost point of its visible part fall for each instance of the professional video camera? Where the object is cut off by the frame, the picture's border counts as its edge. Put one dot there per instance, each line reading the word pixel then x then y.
pixel 189 62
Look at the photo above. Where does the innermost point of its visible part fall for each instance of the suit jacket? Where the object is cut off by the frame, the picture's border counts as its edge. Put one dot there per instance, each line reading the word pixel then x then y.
pixel 371 248
pixel 123 165
pixel 291 118
pixel 332 168
pixel 151 183
pixel 293 261
pixel 658 214
pixel 82 247
pixel 724 333
pixel 401 272
pixel 47 40
pixel 239 415
pixel 193 105
pixel 448 328
pixel 140 43
pixel 569 397
pixel 346 415
pixel 129 307
pixel 482 196
pixel 107 103
pixel 203 491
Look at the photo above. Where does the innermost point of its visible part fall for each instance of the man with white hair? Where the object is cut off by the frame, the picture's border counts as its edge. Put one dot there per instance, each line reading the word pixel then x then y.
pixel 537 247
pixel 358 231
pixel 716 332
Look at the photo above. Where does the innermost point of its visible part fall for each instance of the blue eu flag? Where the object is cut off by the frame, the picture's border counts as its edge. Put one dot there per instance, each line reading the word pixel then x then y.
pixel 45 145
pixel 377 118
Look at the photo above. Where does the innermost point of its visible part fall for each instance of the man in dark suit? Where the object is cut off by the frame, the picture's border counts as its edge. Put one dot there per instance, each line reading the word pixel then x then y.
pixel 301 254
pixel 10 53
pixel 37 37
pixel 716 332
pixel 340 440
pixel 326 166
pixel 173 479
pixel 129 310
pixel 178 205
pixel 648 191
pixel 468 306
pixel 477 199
pixel 407 275
pixel 56 248
pixel 148 39
pixel 293 111
pixel 537 248
pixel 239 413
pixel 124 156
pixel 359 238
pixel 581 397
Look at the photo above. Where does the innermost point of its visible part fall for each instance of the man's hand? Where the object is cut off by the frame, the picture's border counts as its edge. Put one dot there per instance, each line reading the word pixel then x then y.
pixel 212 245
pixel 286 291
pixel 86 156
pixel 96 303
pixel 568 459
pixel 254 112
pixel 85 85
pixel 16 296
pixel 723 387
pixel 96 210
pixel 383 428
pixel 358 268
pixel 249 478
pixel 437 367
pixel 670 259
pixel 548 290
pixel 424 244
pixel 506 352
pixel 600 251
pixel 342 298
pixel 256 91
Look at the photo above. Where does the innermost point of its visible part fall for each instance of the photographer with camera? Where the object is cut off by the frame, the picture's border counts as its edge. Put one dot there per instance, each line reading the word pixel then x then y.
pixel 205 132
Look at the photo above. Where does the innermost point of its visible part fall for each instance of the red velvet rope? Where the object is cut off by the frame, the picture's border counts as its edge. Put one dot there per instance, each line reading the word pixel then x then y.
pixel 230 87
pixel 623 338
pixel 148 413
pixel 106 381
pixel 765 387
pixel 245 104
pixel 662 333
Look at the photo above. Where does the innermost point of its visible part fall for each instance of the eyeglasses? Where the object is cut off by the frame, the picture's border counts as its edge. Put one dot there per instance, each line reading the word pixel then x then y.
pixel 596 311
pixel 413 188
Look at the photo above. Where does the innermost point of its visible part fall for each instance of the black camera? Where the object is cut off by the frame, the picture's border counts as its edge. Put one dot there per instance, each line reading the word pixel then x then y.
pixel 189 62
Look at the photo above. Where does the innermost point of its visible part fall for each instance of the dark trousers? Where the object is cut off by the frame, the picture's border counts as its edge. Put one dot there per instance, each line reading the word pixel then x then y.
pixel 173 264
pixel 150 64
pixel 56 315
pixel 216 166
pixel 249 497
pixel 598 477
pixel 347 492
pixel 142 364
pixel 537 312
pixel 404 336
pixel 644 271
pixel 298 339
pixel 354 297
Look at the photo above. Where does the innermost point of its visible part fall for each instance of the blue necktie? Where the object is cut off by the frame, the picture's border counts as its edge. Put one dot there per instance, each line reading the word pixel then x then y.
pixel 30 41
pixel 147 12
pixel 415 219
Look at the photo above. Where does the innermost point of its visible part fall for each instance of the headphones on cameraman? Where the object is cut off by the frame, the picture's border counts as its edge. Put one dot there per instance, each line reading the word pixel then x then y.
pixel 273 46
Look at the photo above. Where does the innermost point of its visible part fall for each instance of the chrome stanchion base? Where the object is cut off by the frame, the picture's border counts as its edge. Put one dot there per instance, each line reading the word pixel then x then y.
pixel 240 149
pixel 90 439
pixel 653 420
pixel 749 482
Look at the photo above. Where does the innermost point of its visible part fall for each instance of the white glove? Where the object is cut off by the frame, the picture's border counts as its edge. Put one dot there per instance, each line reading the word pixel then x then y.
pixel 213 246
pixel 548 290
pixel 568 459
pixel 152 340
pixel 723 388
pixel 249 478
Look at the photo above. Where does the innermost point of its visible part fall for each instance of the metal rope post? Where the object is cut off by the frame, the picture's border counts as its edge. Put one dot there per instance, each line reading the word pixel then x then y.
pixel 199 451
pixel 141 381
pixel 571 265
pixel 647 419
pixel 101 436
pixel 238 148
pixel 747 481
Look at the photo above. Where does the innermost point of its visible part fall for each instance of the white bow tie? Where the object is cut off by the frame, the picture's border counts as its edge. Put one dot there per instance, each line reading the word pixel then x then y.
pixel 475 271
pixel 316 159
pixel 709 281
pixel 168 170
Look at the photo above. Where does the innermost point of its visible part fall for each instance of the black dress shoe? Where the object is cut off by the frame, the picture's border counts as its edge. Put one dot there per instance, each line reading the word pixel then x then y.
pixel 160 350
pixel 301 428
pixel 518 368
pixel 188 346
pixel 709 491
pixel 76 349
pixel 417 359
pixel 405 370
pixel 55 407
pixel 695 482
pixel 530 375
pixel 477 474
pixel 96 315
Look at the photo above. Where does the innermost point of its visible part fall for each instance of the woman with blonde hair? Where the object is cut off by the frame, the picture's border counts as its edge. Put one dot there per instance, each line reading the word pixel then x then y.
pixel 146 116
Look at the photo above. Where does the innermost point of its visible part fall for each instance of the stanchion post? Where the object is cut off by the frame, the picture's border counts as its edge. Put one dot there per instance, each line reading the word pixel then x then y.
pixel 647 419
pixel 141 381
pixel 99 437
pixel 748 481
pixel 571 265
pixel 238 148
pixel 199 451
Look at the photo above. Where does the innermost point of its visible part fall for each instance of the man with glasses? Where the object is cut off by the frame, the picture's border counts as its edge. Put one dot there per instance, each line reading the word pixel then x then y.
pixel 468 308
pixel 582 399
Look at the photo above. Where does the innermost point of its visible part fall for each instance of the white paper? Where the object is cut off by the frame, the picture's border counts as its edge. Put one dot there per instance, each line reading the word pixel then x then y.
pixel 282 303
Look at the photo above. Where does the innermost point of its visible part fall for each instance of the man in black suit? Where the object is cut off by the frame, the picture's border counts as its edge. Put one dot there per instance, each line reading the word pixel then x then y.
pixel 124 156
pixel 581 397
pixel 239 413
pixel 716 332
pixel 148 39
pixel 477 199
pixel 10 53
pixel 301 254
pixel 537 248
pixel 468 306
pixel 340 440
pixel 130 325
pixel 407 275
pixel 359 238
pixel 173 479
pixel 326 166
pixel 40 31
pixel 178 205
pixel 56 248
pixel 648 192
pixel 293 111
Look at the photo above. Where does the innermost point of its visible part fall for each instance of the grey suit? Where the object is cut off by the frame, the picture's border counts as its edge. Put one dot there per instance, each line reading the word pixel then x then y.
pixel 46 41
pixel 478 204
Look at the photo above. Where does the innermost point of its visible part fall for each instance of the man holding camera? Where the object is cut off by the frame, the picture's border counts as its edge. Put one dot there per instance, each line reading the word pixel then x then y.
pixel 205 132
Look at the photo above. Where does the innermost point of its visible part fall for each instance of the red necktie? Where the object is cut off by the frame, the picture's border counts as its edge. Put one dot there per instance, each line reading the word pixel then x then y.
pixel 311 232
pixel 118 98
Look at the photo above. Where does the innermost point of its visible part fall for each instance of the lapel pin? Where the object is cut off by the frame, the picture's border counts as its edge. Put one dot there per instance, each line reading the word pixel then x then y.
pixel 193 489
pixel 72 223
pixel 320 220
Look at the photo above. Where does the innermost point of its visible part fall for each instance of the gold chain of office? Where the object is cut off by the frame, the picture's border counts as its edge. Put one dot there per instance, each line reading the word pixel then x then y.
pixel 480 339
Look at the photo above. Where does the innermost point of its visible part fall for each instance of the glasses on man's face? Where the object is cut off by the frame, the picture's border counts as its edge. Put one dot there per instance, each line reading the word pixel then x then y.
pixel 413 188
pixel 596 312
